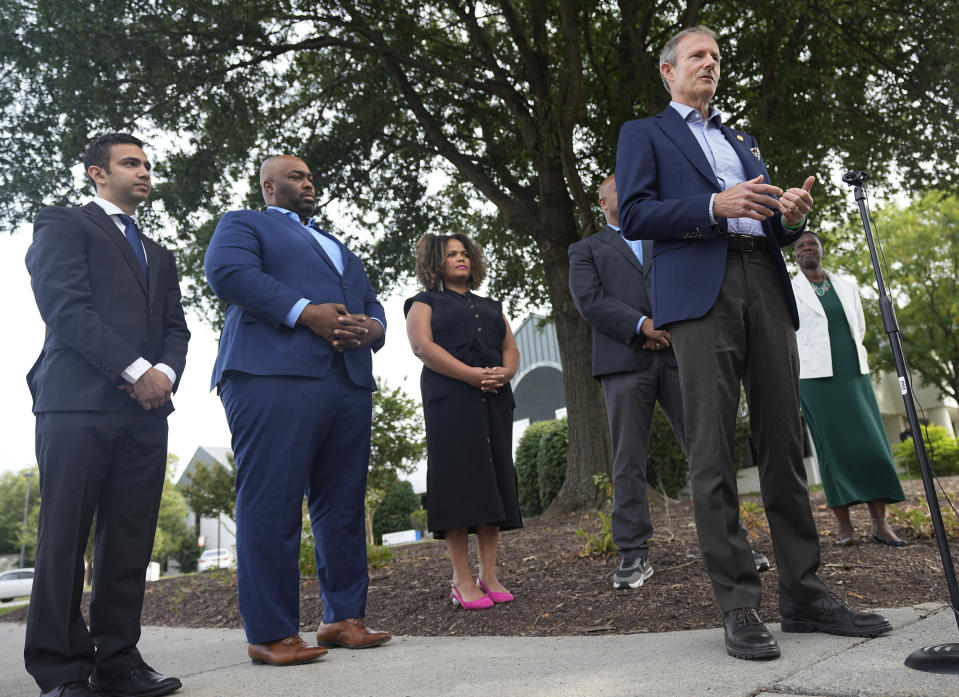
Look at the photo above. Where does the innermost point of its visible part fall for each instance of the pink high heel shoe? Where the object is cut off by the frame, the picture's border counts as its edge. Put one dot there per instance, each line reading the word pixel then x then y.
pixel 478 604
pixel 495 597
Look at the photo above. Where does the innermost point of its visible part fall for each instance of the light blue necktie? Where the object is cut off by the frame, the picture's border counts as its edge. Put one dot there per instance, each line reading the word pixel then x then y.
pixel 133 237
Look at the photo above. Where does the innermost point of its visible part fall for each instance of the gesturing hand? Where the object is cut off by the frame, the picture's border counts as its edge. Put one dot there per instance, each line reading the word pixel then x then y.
pixel 796 203
pixel 750 199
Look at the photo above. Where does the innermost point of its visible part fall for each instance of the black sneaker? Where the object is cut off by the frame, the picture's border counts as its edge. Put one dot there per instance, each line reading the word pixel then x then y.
pixel 761 562
pixel 632 573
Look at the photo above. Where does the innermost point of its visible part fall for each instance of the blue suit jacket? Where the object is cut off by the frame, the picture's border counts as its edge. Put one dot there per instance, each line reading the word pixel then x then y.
pixel 261 263
pixel 664 183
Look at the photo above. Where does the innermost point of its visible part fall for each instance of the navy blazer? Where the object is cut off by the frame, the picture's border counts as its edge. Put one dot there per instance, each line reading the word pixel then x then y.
pixel 100 315
pixel 611 291
pixel 664 183
pixel 261 263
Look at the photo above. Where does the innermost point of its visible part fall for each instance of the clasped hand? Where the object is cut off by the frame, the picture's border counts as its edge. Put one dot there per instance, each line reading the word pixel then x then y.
pixel 656 339
pixel 755 200
pixel 488 379
pixel 152 390
pixel 343 330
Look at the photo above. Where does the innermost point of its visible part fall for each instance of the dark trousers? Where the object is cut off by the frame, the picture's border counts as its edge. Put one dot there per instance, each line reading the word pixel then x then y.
pixel 747 337
pixel 111 464
pixel 630 400
pixel 293 435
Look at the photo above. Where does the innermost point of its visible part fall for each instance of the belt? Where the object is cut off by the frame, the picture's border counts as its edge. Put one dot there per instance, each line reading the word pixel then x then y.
pixel 745 243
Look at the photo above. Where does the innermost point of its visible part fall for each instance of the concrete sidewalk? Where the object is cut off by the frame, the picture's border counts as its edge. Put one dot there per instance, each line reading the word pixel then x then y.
pixel 213 663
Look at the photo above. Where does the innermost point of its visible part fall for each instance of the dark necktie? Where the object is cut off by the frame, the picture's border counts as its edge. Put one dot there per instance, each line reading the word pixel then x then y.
pixel 133 237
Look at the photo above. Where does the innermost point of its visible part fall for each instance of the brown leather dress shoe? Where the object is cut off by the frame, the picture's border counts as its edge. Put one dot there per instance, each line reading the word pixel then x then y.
pixel 351 633
pixel 285 652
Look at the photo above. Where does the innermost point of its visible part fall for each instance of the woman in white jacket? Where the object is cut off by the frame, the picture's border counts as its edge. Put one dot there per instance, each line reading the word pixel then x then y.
pixel 838 401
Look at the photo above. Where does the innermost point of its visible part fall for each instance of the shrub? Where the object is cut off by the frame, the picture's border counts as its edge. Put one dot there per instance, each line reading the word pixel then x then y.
pixel 187 553
pixel 943 451
pixel 527 479
pixel 418 520
pixel 377 557
pixel 551 460
pixel 666 467
pixel 394 512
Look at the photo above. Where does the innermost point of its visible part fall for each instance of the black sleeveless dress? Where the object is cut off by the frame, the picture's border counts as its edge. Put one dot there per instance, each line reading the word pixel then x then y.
pixel 470 478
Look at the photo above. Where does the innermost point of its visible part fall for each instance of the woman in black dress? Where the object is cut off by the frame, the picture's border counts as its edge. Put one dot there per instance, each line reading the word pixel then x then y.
pixel 469 357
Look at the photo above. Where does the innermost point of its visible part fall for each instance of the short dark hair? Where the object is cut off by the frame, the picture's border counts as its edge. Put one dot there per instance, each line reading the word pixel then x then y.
pixel 98 150
pixel 814 234
pixel 431 256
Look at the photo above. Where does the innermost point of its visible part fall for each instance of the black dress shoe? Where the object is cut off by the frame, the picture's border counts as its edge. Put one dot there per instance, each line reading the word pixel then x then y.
pixel 139 681
pixel 70 689
pixel 831 615
pixel 746 635
pixel 891 543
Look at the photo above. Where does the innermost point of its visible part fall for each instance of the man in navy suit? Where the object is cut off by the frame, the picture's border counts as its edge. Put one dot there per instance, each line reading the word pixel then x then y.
pixel 294 373
pixel 114 350
pixel 701 191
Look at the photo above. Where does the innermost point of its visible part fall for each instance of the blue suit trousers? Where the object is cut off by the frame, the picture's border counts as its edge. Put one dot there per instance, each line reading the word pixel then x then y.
pixel 294 435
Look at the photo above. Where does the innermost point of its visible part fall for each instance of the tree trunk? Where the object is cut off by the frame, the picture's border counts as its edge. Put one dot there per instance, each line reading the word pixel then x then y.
pixel 589 447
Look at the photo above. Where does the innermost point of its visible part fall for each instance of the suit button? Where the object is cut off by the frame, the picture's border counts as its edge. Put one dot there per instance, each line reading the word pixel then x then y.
pixel 343 286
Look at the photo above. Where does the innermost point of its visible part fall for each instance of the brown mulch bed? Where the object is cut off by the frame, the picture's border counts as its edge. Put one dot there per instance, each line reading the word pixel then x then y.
pixel 560 592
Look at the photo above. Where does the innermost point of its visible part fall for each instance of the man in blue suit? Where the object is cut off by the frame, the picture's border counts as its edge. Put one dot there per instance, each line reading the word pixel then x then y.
pixel 294 373
pixel 719 285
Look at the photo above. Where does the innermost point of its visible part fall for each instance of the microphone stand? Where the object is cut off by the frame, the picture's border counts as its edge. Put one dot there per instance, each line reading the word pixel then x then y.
pixel 941 658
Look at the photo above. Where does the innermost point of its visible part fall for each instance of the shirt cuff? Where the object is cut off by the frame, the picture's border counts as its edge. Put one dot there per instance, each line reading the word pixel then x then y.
pixel 168 371
pixel 135 370
pixel 797 225
pixel 376 319
pixel 295 312
pixel 712 220
pixel 639 325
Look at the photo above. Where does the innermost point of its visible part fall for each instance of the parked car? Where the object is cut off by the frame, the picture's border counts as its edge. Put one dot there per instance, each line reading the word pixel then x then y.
pixel 15 584
pixel 216 559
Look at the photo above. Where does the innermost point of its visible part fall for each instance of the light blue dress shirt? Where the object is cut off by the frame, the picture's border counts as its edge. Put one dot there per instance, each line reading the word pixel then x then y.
pixel 723 159
pixel 333 250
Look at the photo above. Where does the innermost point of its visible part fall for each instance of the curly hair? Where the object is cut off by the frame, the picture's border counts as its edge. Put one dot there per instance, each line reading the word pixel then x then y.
pixel 431 258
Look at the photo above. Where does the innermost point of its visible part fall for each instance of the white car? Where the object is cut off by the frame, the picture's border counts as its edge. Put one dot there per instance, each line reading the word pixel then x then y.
pixel 216 559
pixel 15 584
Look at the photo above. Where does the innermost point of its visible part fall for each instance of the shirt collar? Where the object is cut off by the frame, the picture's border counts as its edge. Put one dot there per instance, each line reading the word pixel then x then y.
pixel 292 215
pixel 109 207
pixel 715 117
pixel 615 227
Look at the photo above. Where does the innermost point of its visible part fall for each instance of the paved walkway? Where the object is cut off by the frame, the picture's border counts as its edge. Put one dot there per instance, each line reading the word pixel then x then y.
pixel 213 663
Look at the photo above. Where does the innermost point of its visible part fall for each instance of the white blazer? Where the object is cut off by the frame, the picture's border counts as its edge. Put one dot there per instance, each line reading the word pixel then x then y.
pixel 815 356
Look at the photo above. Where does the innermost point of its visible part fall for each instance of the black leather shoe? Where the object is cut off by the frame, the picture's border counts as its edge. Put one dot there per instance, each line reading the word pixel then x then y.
pixel 746 635
pixel 831 615
pixel 70 689
pixel 139 681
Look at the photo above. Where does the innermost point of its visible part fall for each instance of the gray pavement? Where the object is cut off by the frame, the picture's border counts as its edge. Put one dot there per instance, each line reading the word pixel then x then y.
pixel 213 663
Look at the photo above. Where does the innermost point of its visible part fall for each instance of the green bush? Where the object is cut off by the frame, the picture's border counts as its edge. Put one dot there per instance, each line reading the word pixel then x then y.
pixel 187 553
pixel 394 512
pixel 527 479
pixel 666 467
pixel 418 520
pixel 943 451
pixel 377 557
pixel 551 460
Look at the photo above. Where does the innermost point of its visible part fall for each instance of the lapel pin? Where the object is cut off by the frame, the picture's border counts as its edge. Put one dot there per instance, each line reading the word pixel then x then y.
pixel 739 138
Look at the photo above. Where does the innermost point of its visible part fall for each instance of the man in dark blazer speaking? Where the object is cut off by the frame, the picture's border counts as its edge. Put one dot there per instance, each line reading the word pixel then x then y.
pixel 700 190
pixel 294 373
pixel 608 279
pixel 114 351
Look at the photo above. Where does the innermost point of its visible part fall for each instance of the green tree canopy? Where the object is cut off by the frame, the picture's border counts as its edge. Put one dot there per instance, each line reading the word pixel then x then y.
pixel 515 104
pixel 209 489
pixel 920 245
pixel 13 494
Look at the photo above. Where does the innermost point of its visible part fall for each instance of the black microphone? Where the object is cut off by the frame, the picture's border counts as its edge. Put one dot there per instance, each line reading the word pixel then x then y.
pixel 855 178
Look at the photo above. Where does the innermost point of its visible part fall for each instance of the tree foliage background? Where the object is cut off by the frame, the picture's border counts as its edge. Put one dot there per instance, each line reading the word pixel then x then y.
pixel 498 118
